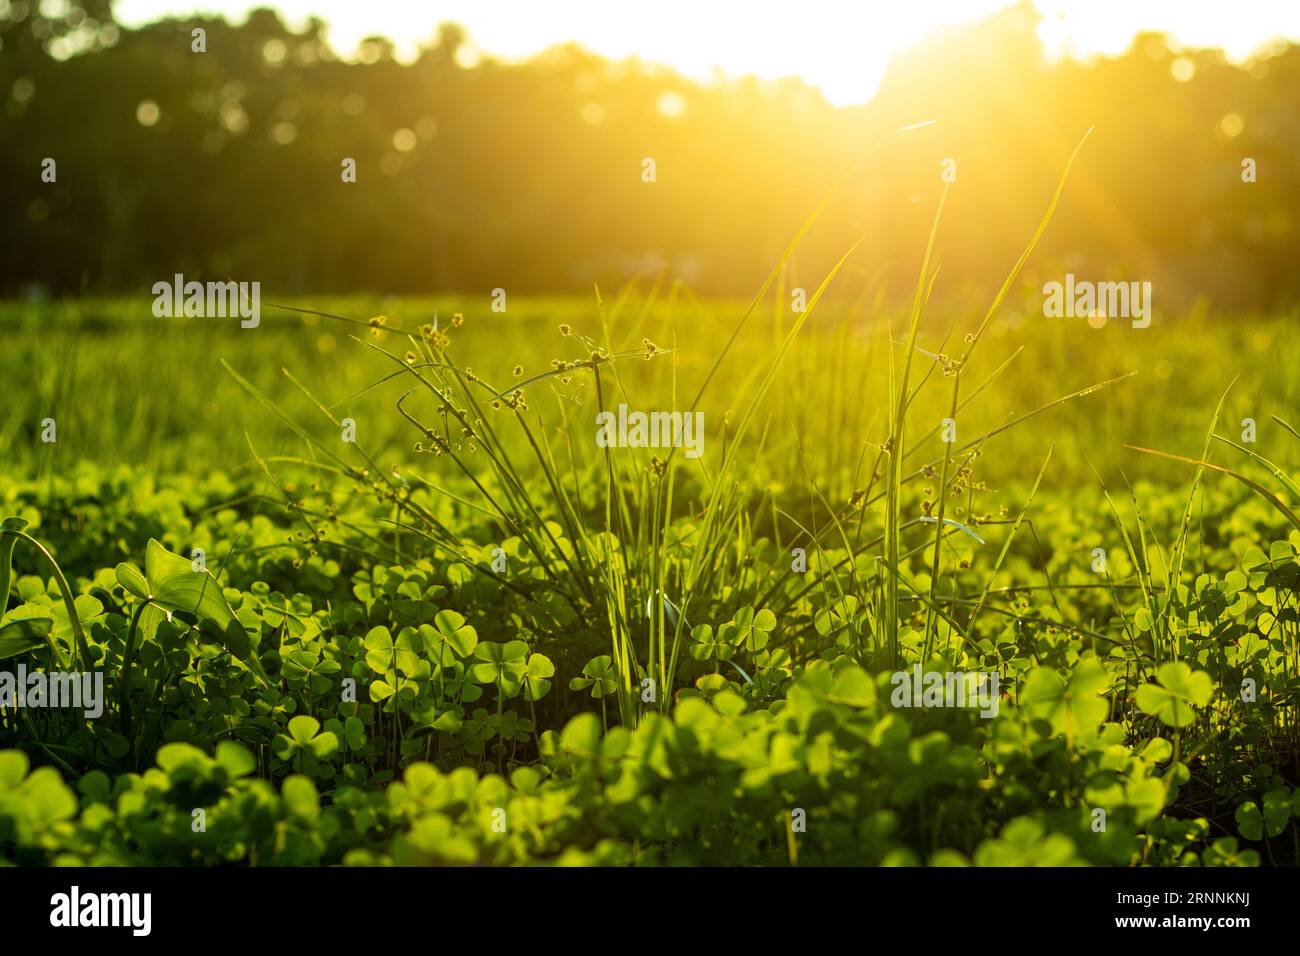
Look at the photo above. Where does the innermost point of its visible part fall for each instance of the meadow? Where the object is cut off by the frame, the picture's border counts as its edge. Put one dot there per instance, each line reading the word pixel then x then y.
pixel 367 590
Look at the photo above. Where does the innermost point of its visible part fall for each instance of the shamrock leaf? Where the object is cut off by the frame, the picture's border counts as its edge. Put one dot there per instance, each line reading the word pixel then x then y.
pixel 752 630
pixel 458 683
pixel 384 654
pixel 536 673
pixel 706 646
pixel 1072 706
pixel 352 731
pixel 502 665
pixel 1025 842
pixel 1224 852
pixel 449 639
pixel 303 667
pixel 303 738
pixel 1254 822
pixel 599 674
pixel 1179 692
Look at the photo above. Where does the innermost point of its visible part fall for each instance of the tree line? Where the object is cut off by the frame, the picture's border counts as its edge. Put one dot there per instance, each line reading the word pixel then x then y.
pixel 129 155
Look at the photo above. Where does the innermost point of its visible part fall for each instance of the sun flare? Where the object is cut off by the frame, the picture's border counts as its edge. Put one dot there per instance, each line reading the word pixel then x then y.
pixel 843 49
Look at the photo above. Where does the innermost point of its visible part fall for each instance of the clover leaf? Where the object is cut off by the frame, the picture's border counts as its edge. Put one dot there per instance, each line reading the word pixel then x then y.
pixel 501 664
pixel 1272 819
pixel 599 674
pixel 1072 706
pixel 449 639
pixel 751 630
pixel 705 645
pixel 1177 695
pixel 536 673
pixel 303 739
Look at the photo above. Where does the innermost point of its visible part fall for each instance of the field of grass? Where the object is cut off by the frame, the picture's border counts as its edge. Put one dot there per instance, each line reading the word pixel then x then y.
pixel 475 635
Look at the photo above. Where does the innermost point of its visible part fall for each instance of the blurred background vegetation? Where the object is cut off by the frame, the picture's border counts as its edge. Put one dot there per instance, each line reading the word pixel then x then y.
pixel 527 176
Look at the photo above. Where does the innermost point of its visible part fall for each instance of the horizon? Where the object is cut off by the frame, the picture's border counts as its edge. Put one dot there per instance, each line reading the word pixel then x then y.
pixel 847 74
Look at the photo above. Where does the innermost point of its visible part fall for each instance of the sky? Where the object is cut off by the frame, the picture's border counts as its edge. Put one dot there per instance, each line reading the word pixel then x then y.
pixel 840 46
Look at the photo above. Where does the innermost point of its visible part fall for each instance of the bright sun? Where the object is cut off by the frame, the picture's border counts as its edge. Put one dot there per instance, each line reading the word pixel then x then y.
pixel 839 47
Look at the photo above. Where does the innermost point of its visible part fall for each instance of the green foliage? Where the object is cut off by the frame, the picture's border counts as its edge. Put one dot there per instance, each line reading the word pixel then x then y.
pixel 1177 695
pixel 650 679
pixel 449 724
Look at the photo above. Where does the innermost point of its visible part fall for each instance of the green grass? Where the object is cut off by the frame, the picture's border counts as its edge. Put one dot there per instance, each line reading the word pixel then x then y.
pixel 125 387
pixel 620 646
